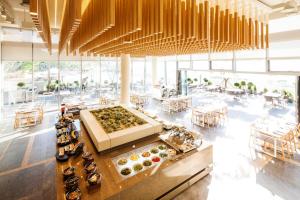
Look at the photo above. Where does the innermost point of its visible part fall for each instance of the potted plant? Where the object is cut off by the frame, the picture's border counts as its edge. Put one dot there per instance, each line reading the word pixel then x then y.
pixel 243 84
pixel 21 85
pixel 237 85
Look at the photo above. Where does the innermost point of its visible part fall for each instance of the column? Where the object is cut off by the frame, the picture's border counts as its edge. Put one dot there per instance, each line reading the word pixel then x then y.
pixel 297 103
pixel 125 79
pixel 154 71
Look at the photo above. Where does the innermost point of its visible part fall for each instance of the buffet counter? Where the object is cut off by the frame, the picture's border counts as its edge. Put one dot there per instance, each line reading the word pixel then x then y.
pixel 104 140
pixel 161 181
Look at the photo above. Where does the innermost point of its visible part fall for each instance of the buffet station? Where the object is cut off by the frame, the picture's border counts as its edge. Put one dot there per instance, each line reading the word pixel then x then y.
pixel 124 154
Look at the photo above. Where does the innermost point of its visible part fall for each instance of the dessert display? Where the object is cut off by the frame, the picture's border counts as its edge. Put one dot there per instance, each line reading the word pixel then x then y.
pixel 94 179
pixel 125 171
pixel 69 172
pixel 78 149
pixel 90 167
pixel 122 161
pixel 137 167
pixel 67 137
pixel 134 157
pixel 87 158
pixel 147 163
pixel 71 184
pixel 180 139
pixel 155 159
pixel 143 158
pixel 74 195
pixel 116 118
pixel 146 154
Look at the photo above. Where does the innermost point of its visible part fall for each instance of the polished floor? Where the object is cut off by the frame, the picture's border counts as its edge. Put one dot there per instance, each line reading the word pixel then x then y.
pixel 27 165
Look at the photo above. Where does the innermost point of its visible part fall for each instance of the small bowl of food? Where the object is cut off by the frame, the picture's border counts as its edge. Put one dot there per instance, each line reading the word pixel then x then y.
pixel 94 178
pixel 162 147
pixel 155 159
pixel 126 171
pixel 69 172
pixel 147 163
pixel 90 167
pixel 137 167
pixel 122 161
pixel 154 150
pixel 74 195
pixel 146 154
pixel 134 157
pixel 163 155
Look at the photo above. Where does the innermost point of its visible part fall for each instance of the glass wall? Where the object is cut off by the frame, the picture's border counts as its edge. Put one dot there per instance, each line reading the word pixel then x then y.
pixel 91 81
pixel 45 76
pixel 16 85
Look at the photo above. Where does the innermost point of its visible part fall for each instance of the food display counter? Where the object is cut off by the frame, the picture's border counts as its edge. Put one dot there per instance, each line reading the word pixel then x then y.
pixel 142 169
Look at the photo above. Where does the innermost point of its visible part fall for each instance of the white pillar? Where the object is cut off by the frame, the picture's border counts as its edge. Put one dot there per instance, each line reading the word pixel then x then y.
pixel 125 79
pixel 154 71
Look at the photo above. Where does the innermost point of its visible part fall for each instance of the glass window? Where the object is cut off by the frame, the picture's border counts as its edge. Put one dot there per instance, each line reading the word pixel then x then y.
pixel 285 49
pixel 46 84
pixel 292 65
pixel 251 65
pixel 138 78
pixel 223 55
pixel 223 65
pixel 184 64
pixel 288 23
pixel 70 83
pixel 148 81
pixel 161 72
pixel 91 81
pixel 257 53
pixel 171 74
pixel 17 85
pixel 200 65
pixel 184 57
pixel 203 56
pixel 109 78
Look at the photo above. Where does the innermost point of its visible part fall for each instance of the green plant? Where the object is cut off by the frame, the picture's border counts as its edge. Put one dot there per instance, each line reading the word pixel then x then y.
pixel 243 83
pixel 265 90
pixel 237 85
pixel 195 79
pixel 205 80
pixel 275 91
pixel 21 84
pixel 209 83
pixel 250 84
pixel 288 95
pixel 76 83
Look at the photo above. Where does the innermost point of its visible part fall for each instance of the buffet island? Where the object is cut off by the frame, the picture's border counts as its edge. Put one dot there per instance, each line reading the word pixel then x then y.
pixel 112 126
pixel 155 165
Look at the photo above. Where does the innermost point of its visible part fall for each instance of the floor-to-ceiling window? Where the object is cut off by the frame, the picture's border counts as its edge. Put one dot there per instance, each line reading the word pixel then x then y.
pixel 138 76
pixel 17 85
pixel 109 77
pixel 70 84
pixel 45 76
pixel 91 81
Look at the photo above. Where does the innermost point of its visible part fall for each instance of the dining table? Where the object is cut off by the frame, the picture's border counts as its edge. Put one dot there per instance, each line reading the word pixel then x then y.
pixel 275 129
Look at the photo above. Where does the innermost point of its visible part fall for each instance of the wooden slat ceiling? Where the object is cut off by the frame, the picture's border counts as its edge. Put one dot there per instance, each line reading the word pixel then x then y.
pixel 162 27
pixel 40 16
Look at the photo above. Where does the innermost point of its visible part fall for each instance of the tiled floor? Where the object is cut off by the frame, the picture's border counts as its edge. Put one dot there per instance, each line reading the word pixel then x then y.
pixel 27 165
